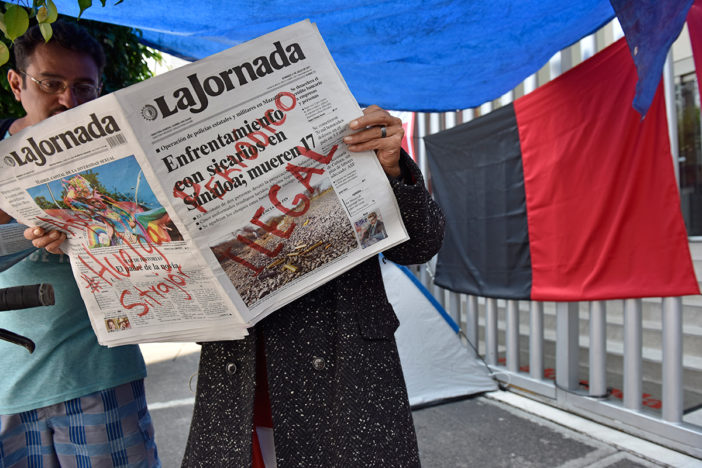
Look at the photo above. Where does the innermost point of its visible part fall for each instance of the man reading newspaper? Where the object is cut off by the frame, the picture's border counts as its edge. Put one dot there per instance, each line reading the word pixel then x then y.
pixel 72 402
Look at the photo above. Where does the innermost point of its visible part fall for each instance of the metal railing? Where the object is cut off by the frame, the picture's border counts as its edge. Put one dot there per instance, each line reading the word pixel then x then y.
pixel 524 369
pixel 565 388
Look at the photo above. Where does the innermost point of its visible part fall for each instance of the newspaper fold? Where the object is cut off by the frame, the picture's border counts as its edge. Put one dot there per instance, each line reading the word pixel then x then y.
pixel 199 201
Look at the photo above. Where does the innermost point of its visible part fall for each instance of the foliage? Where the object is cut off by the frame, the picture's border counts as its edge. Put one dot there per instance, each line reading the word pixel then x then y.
pixel 45 204
pixel 126 57
pixel 15 19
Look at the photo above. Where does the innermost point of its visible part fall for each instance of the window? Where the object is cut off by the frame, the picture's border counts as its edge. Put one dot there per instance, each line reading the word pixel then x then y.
pixel 690 153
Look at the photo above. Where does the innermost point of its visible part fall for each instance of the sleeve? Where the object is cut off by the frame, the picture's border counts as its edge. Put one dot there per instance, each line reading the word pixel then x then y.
pixel 422 216
pixel 13 246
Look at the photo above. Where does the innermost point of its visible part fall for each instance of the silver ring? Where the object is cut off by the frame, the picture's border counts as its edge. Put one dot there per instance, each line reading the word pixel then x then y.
pixel 383 132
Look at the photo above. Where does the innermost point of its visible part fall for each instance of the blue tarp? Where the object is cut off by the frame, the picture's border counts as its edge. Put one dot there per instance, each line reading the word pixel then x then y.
pixel 419 55
pixel 650 26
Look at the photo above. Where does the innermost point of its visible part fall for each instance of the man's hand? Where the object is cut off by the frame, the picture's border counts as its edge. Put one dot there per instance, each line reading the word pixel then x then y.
pixel 49 240
pixel 381 132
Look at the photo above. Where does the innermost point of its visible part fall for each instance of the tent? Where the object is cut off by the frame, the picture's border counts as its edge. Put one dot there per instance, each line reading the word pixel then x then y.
pixel 437 365
pixel 419 55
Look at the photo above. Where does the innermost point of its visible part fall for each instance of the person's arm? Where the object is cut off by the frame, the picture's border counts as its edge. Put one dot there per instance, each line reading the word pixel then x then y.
pixel 4 217
pixel 13 248
pixel 421 215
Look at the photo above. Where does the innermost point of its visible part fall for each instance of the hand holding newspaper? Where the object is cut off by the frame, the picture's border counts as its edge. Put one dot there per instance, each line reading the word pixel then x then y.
pixel 200 201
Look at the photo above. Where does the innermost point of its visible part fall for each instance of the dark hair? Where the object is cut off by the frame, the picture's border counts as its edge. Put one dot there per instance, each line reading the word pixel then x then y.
pixel 66 34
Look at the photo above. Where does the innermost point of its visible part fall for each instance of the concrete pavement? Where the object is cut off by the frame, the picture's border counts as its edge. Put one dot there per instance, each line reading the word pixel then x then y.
pixel 499 429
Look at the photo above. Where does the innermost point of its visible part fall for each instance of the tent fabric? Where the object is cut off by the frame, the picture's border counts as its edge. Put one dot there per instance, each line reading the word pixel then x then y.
pixel 602 208
pixel 417 55
pixel 436 364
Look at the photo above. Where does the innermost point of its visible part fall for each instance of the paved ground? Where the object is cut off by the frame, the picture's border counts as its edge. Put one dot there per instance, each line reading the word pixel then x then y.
pixel 499 429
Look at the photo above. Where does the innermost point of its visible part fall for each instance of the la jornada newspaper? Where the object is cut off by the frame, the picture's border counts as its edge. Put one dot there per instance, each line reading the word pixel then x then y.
pixel 200 201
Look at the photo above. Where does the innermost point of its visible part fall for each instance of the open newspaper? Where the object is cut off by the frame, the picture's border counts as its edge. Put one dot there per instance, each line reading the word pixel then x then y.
pixel 200 201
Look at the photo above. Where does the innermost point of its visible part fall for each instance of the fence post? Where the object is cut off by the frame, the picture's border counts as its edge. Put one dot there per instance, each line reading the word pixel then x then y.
pixel 472 320
pixel 567 345
pixel 454 307
pixel 598 348
pixel 536 340
pixel 672 374
pixel 632 354
pixel 512 335
pixel 491 331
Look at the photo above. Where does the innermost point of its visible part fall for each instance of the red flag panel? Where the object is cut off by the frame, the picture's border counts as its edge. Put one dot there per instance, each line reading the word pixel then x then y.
pixel 603 210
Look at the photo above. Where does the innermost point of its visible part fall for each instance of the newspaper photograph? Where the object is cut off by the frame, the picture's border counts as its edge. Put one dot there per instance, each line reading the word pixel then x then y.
pixel 200 201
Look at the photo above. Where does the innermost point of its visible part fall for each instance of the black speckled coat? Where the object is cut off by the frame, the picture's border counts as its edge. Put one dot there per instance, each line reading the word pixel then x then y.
pixel 338 397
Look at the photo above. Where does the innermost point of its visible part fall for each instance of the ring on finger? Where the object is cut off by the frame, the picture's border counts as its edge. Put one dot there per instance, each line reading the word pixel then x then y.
pixel 383 132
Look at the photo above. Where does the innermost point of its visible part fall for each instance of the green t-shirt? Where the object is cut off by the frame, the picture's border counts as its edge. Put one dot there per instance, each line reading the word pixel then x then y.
pixel 68 362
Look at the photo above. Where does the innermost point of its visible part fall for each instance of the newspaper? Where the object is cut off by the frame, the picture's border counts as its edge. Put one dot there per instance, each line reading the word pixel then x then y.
pixel 199 201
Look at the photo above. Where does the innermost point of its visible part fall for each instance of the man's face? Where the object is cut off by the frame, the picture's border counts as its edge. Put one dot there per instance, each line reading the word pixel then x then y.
pixel 372 219
pixel 51 61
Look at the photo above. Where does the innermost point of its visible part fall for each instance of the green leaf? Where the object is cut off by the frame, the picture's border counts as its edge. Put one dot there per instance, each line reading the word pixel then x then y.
pixel 4 53
pixel 16 21
pixel 46 31
pixel 53 11
pixel 42 15
pixel 35 7
pixel 84 4
pixel 2 25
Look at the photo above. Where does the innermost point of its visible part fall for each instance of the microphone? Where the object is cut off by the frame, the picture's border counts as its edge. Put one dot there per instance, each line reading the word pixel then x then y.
pixel 24 297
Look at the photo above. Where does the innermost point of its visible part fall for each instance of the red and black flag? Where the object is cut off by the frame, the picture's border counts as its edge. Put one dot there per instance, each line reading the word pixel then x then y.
pixel 565 195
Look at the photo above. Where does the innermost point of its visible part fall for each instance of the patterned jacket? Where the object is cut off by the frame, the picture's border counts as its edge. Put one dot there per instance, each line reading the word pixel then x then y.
pixel 338 396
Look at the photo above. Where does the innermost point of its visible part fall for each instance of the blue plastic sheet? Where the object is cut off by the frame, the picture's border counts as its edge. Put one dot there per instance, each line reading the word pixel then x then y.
pixel 418 55
pixel 426 55
pixel 650 27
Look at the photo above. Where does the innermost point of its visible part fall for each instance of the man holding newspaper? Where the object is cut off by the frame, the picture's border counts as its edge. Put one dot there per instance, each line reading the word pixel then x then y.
pixel 71 402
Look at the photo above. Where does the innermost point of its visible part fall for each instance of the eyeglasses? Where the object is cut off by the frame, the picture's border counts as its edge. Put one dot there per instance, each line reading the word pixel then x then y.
pixel 55 86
